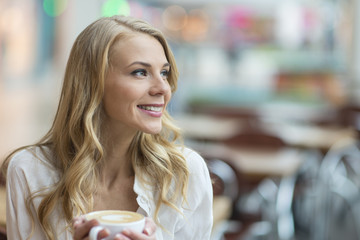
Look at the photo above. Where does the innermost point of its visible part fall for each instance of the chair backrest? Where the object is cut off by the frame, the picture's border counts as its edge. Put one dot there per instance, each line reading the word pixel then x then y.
pixel 338 193
pixel 224 178
pixel 2 179
pixel 350 116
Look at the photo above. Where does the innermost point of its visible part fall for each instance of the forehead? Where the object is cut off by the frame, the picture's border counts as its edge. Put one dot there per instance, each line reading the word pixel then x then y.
pixel 138 47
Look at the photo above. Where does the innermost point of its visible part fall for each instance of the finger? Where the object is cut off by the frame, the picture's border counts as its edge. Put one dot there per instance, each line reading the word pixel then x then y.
pixel 103 234
pixel 120 236
pixel 130 234
pixel 133 235
pixel 82 229
pixel 77 221
pixel 150 227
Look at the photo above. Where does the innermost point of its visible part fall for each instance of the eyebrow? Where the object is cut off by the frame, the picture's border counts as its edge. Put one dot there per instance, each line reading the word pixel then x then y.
pixel 146 64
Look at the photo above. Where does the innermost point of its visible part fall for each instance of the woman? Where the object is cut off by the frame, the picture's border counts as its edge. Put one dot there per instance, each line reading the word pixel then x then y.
pixel 112 145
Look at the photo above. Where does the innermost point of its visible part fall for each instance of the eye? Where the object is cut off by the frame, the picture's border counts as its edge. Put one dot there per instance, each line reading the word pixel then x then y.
pixel 165 73
pixel 139 73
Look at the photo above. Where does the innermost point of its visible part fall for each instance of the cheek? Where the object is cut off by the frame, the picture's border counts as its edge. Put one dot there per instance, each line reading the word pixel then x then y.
pixel 113 101
pixel 110 107
pixel 168 94
pixel 167 97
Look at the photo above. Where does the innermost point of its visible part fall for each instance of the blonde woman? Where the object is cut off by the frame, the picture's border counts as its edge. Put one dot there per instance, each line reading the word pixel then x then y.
pixel 112 145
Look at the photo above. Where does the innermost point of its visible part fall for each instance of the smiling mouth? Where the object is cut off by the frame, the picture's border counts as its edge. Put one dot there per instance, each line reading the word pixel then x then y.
pixel 151 108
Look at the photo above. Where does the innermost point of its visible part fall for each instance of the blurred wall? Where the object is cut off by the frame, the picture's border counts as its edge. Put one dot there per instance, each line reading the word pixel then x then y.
pixel 35 40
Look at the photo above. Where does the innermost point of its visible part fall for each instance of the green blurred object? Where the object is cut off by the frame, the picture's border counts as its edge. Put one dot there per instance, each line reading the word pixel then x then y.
pixel 114 7
pixel 54 8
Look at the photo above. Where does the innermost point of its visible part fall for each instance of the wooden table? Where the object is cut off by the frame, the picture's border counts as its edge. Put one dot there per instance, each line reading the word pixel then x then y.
pixel 202 127
pixel 255 162
pixel 310 136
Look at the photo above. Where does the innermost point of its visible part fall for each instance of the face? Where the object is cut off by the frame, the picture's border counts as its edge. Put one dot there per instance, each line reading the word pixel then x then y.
pixel 136 87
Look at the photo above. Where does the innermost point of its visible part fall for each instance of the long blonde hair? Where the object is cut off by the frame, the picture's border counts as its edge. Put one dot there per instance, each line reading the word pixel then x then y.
pixel 75 136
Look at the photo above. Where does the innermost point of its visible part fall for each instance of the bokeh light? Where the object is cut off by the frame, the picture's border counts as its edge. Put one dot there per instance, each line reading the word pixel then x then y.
pixel 174 18
pixel 197 26
pixel 54 8
pixel 114 7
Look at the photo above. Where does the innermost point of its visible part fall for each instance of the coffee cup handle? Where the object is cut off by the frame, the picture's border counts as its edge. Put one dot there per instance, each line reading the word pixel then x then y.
pixel 94 232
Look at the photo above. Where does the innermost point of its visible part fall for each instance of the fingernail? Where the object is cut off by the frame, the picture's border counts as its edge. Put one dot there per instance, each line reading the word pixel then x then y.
pixel 76 223
pixel 147 231
pixel 118 236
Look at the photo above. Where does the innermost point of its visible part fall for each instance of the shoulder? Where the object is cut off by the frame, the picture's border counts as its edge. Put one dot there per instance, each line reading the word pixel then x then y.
pixel 194 160
pixel 198 198
pixel 199 176
pixel 29 158
pixel 32 166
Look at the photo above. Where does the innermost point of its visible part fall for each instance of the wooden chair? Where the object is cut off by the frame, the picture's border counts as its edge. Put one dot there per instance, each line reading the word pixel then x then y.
pixel 3 235
pixel 349 116
pixel 225 191
pixel 2 179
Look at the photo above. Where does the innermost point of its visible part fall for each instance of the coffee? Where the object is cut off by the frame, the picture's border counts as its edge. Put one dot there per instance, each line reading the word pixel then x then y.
pixel 115 217
pixel 115 221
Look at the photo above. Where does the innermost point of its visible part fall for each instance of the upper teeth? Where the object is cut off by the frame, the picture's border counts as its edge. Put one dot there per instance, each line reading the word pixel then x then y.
pixel 151 108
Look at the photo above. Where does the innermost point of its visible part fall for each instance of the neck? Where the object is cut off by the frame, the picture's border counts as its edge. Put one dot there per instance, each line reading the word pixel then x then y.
pixel 117 162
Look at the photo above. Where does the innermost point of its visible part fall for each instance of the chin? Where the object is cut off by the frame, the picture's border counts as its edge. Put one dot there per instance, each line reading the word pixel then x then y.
pixel 153 130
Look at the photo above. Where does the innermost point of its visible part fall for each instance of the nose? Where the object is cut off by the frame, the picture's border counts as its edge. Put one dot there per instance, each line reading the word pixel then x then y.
pixel 160 86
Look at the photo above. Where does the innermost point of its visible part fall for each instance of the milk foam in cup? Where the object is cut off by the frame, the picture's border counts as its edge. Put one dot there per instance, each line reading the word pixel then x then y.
pixel 115 221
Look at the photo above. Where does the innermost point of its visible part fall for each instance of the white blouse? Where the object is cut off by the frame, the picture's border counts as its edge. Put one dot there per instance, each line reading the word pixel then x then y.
pixel 28 173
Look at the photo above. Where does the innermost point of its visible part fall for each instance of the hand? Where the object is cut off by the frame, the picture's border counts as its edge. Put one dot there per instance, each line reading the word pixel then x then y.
pixel 82 228
pixel 147 234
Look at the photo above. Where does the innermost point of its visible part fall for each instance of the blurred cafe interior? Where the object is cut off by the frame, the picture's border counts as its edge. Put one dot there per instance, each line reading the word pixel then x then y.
pixel 269 95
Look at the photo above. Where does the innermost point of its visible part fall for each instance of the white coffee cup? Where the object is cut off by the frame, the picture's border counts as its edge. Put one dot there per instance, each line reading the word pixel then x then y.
pixel 115 221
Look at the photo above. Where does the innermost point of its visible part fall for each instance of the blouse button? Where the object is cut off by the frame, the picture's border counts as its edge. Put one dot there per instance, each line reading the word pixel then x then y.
pixel 143 200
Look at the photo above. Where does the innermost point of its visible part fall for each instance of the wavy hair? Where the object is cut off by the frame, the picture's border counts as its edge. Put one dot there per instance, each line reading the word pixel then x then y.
pixel 75 135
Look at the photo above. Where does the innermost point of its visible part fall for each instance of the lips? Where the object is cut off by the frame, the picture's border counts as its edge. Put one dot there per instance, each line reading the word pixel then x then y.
pixel 153 110
pixel 150 108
